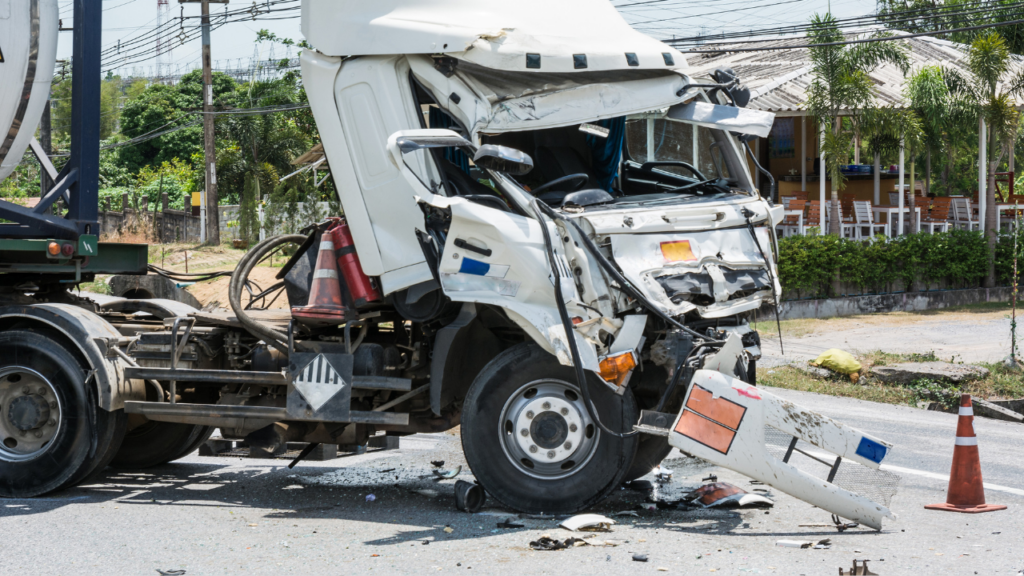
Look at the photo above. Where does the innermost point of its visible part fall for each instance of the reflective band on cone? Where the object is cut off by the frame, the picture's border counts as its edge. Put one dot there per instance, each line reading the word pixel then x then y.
pixel 966 493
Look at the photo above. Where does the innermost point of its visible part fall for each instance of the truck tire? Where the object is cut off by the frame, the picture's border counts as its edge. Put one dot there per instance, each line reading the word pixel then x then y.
pixel 530 442
pixel 52 432
pixel 156 443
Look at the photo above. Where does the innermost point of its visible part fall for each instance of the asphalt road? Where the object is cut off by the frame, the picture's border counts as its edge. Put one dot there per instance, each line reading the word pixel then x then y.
pixel 239 516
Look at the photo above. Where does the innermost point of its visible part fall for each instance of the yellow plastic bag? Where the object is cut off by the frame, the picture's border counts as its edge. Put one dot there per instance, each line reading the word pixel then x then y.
pixel 838 361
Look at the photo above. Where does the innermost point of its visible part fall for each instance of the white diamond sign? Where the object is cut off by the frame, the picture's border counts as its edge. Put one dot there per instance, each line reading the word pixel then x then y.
pixel 318 382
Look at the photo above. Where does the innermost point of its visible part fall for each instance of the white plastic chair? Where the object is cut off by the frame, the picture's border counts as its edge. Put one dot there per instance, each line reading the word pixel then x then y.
pixel 866 220
pixel 846 229
pixel 963 216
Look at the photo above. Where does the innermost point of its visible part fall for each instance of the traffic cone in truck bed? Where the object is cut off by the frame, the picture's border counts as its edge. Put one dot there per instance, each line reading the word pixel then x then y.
pixel 325 306
pixel 966 492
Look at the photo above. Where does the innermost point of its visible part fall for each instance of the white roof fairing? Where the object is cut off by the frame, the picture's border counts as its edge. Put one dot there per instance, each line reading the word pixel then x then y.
pixel 496 34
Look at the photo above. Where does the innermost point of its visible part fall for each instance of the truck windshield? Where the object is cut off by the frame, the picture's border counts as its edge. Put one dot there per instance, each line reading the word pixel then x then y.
pixel 660 140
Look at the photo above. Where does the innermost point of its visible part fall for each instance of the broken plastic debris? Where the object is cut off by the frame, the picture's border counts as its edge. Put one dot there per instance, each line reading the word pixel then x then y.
pixel 588 523
pixel 862 570
pixel 820 544
pixel 724 495
pixel 448 529
pixel 546 542
pixel 639 557
pixel 508 523
pixel 171 572
pixel 370 497
pixel 447 474
pixel 662 474
pixel 626 513
pixel 437 463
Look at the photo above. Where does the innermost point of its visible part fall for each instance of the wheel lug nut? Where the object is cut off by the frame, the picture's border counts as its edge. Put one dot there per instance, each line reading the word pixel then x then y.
pixel 42 391
pixel 573 428
pixel 565 411
pixel 551 453
pixel 39 434
pixel 547 405
pixel 26 390
pixel 53 404
pixel 52 422
pixel 567 445
pixel 524 432
pixel 533 449
pixel 529 414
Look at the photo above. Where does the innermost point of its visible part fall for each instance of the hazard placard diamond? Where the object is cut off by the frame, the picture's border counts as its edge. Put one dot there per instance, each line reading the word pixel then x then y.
pixel 318 382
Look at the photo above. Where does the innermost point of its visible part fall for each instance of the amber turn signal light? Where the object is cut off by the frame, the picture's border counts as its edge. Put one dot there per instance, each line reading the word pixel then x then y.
pixel 615 369
pixel 53 248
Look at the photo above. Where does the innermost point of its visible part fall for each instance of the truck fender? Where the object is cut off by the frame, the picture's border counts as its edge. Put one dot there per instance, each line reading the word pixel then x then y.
pixel 461 350
pixel 88 334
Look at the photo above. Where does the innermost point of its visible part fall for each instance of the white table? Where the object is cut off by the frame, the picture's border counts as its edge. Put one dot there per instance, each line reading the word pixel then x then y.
pixel 892 213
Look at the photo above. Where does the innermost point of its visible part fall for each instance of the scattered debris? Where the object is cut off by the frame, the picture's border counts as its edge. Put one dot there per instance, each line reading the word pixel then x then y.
pixel 726 495
pixel 469 497
pixel 508 523
pixel 819 545
pixel 588 523
pixel 370 497
pixel 448 530
pixel 662 569
pixel 909 372
pixel 546 542
pixel 711 478
pixel 858 570
pixel 639 557
pixel 662 474
pixel 437 463
pixel 427 492
pixel 840 525
pixel 447 474
pixel 171 572
pixel 388 470
pixel 626 513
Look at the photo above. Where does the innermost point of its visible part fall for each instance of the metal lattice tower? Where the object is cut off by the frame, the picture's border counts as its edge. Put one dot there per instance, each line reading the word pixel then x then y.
pixel 164 46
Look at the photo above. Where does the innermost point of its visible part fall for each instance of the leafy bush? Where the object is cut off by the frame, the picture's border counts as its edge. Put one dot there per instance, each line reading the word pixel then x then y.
pixel 811 265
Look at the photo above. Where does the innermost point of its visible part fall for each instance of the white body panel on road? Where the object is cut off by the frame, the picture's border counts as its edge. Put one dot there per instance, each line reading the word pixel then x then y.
pixel 723 421
pixel 28 53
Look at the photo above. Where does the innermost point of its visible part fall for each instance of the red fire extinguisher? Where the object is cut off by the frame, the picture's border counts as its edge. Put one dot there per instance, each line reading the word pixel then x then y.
pixel 359 285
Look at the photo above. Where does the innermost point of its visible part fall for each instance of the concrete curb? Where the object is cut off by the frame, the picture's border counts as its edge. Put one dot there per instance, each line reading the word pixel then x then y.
pixel 903 302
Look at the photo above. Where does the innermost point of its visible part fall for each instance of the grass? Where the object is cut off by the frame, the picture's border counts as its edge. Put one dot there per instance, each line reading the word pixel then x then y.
pixel 1001 383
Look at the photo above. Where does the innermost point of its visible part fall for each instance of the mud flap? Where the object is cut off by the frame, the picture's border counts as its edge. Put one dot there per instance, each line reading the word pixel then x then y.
pixel 724 421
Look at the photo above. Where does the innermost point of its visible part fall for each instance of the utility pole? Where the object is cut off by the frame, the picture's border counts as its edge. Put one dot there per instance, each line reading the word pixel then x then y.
pixel 209 212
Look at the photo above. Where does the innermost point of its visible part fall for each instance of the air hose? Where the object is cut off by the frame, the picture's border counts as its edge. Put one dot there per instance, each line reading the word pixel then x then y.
pixel 245 265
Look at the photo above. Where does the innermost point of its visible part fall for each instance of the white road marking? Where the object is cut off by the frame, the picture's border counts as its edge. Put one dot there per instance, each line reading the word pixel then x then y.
pixel 945 478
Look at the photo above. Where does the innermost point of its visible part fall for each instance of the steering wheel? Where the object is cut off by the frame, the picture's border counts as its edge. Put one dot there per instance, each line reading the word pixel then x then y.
pixel 580 177
pixel 646 166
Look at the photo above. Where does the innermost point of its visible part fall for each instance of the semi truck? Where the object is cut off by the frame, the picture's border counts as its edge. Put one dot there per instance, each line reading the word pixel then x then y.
pixel 550 237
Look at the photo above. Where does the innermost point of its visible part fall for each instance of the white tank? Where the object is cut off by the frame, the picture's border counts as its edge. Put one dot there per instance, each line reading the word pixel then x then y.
pixel 28 53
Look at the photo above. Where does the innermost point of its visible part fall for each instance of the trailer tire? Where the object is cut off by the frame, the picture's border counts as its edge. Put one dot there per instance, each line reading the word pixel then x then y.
pixel 156 443
pixel 55 435
pixel 527 382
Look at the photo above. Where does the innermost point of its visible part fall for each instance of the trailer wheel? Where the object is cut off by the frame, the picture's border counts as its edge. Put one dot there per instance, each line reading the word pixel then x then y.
pixel 52 433
pixel 155 443
pixel 530 442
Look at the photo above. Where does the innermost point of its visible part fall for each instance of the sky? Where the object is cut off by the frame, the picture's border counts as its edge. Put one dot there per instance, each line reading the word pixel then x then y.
pixel 233 44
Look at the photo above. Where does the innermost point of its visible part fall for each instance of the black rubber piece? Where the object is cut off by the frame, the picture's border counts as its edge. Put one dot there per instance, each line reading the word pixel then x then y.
pixel 481 427
pixel 86 432
pixel 751 373
pixel 651 451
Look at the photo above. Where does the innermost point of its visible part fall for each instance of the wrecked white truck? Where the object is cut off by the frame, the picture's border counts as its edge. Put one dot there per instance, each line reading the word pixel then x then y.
pixel 551 237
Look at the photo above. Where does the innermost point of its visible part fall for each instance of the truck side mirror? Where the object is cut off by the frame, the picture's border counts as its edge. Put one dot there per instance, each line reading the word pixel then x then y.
pixel 503 159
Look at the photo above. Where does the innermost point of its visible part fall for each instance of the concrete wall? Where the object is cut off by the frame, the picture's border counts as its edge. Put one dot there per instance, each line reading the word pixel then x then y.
pixel 905 302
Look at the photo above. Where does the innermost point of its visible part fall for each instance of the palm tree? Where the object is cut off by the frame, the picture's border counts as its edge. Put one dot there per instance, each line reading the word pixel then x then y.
pixel 947 116
pixel 990 87
pixel 841 86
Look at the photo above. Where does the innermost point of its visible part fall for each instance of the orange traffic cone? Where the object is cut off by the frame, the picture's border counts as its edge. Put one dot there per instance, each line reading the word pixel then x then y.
pixel 325 305
pixel 966 492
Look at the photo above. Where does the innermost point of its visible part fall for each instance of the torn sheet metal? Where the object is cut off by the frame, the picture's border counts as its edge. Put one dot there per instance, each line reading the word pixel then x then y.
pixel 723 421
pixel 725 495
pixel 728 118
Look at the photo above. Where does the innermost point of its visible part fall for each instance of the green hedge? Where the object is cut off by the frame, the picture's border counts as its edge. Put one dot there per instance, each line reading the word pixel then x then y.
pixel 810 265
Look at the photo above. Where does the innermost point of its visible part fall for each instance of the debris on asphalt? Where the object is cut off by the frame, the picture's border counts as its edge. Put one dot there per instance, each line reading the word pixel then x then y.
pixel 639 557
pixel 448 530
pixel 858 570
pixel 469 497
pixel 711 478
pixel 626 513
pixel 370 497
pixel 437 463
pixel 171 572
pixel 819 545
pixel 588 523
pixel 447 474
pixel 725 495
pixel 546 542
pixel 840 525
pixel 662 474
pixel 427 492
pixel 508 523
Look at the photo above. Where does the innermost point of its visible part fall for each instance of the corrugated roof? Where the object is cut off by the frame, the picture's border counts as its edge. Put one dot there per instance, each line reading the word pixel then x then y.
pixel 778 79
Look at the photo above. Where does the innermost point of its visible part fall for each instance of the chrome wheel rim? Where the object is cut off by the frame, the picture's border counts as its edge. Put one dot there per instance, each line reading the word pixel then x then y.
pixel 30 414
pixel 545 430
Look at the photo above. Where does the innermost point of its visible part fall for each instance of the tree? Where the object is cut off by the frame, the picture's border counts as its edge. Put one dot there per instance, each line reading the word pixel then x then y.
pixel 990 86
pixel 947 116
pixel 841 86
pixel 929 16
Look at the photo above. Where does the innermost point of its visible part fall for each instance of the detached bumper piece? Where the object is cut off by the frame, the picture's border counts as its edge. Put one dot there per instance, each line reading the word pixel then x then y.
pixel 737 426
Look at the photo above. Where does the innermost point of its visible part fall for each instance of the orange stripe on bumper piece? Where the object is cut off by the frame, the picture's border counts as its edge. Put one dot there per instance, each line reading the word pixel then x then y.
pixel 705 431
pixel 720 410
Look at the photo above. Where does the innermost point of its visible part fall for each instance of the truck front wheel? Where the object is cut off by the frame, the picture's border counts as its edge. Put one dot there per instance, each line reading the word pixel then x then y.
pixel 52 433
pixel 530 441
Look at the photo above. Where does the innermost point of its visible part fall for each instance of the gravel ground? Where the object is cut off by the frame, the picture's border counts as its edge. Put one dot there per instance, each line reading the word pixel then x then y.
pixel 238 516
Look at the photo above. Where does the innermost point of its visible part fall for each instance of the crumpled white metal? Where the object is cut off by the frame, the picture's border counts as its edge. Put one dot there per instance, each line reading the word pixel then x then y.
pixel 728 118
